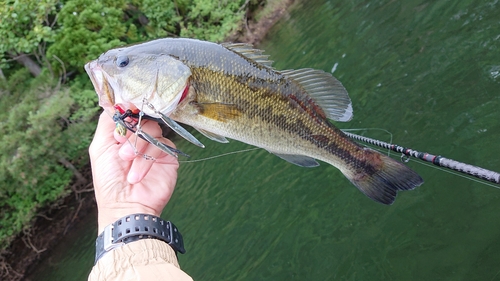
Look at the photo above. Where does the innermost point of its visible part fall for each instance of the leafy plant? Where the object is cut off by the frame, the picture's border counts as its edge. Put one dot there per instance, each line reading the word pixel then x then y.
pixel 46 124
pixel 26 27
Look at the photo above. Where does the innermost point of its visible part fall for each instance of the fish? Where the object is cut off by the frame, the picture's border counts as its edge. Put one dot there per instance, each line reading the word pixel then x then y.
pixel 232 91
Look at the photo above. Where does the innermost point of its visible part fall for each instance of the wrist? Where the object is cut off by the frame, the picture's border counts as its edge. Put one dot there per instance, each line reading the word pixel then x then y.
pixel 111 213
pixel 136 227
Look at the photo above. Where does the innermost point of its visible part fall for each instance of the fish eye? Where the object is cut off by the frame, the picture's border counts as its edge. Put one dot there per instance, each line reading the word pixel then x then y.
pixel 122 61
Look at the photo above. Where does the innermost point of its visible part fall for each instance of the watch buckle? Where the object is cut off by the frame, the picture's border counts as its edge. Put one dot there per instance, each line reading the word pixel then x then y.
pixel 109 239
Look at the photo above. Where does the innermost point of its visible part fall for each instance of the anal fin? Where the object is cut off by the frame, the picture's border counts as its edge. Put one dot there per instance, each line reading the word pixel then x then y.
pixel 212 136
pixel 299 160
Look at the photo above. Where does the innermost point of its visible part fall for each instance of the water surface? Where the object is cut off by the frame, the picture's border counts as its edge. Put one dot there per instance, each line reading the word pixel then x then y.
pixel 428 72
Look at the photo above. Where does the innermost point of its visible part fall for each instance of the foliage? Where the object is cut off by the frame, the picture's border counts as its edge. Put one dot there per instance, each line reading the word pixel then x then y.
pixel 86 29
pixel 202 19
pixel 26 26
pixel 77 31
pixel 43 121
pixel 39 121
pixel 159 18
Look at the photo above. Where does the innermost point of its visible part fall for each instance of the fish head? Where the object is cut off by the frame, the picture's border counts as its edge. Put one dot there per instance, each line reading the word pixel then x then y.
pixel 128 79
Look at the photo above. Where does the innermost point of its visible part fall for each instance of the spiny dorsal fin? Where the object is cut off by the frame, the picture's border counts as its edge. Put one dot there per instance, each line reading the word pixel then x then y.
pixel 250 52
pixel 325 90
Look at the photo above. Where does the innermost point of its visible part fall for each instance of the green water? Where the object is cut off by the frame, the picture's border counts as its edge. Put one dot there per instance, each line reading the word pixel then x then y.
pixel 428 72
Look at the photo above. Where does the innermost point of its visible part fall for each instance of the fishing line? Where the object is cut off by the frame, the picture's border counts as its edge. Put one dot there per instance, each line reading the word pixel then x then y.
pixel 255 148
pixel 372 129
pixel 440 161
pixel 456 174
pixel 437 160
pixel 220 155
pixel 139 128
pixel 439 168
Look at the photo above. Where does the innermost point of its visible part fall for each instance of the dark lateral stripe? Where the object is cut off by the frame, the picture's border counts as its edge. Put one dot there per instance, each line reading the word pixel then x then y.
pixel 261 99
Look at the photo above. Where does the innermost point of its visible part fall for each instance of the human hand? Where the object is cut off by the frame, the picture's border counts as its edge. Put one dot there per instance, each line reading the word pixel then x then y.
pixel 125 182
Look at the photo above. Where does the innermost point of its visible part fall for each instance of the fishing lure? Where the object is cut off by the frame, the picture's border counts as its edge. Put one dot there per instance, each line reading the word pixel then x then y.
pixel 128 120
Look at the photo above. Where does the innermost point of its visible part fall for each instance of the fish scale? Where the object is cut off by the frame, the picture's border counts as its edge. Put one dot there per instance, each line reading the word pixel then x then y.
pixel 233 92
pixel 263 108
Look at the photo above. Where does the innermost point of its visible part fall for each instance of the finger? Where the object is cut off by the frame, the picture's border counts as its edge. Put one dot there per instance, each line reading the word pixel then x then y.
pixel 141 165
pixel 105 126
pixel 120 138
pixel 128 151
pixel 123 138
pixel 143 162
pixel 135 145
pixel 103 137
pixel 152 128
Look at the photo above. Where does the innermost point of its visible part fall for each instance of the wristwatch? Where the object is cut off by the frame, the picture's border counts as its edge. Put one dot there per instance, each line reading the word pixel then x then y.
pixel 136 227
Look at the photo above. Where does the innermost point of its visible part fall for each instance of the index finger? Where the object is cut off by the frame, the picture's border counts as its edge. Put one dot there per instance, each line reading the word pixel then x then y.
pixel 103 136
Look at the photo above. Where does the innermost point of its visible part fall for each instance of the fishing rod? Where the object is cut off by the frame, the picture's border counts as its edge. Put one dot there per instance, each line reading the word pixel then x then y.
pixel 437 160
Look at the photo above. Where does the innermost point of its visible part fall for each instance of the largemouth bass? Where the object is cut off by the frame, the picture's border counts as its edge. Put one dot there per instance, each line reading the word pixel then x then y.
pixel 232 91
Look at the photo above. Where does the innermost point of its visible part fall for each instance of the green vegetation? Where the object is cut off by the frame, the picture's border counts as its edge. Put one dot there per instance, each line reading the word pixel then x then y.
pixel 47 104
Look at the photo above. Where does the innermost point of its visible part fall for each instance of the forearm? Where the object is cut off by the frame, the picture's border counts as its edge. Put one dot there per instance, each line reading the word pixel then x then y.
pixel 146 259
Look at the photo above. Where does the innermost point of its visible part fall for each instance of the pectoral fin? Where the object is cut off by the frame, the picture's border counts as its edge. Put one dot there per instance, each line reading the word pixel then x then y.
pixel 222 112
pixel 299 160
pixel 212 136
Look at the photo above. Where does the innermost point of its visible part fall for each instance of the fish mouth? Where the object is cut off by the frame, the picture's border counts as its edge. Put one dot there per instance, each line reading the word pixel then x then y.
pixel 101 84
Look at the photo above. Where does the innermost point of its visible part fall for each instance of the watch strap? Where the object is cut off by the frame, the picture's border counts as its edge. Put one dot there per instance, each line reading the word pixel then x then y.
pixel 136 227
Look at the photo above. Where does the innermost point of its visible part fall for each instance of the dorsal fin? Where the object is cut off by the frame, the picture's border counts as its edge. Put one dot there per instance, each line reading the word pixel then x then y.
pixel 325 90
pixel 250 52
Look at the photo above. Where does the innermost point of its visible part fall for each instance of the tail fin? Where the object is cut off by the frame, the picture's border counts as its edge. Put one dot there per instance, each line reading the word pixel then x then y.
pixel 383 177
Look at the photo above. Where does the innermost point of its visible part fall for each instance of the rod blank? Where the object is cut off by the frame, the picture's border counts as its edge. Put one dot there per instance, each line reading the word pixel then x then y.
pixel 438 160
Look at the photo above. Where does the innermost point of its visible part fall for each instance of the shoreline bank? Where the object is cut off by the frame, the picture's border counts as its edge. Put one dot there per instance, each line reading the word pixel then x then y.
pixel 35 242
